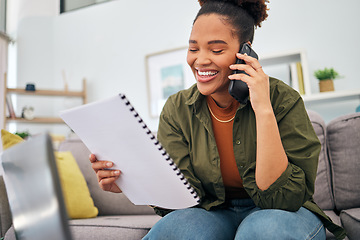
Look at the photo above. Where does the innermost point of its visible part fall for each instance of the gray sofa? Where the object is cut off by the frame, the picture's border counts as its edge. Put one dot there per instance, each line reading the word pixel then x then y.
pixel 337 188
pixel 337 185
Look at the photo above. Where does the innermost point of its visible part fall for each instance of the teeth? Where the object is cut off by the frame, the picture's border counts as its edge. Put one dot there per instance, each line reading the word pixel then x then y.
pixel 208 73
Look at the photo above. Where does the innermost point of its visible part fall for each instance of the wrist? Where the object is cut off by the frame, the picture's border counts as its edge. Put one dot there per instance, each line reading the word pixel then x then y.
pixel 262 112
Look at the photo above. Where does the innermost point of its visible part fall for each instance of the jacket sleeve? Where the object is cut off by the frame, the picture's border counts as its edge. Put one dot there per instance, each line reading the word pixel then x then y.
pixel 172 138
pixel 296 185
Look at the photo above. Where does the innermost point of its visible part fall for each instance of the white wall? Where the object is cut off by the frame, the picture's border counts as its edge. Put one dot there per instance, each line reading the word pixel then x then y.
pixel 107 43
pixel 329 31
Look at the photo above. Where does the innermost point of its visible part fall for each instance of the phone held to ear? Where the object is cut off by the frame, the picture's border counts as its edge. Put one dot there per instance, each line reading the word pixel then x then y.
pixel 237 88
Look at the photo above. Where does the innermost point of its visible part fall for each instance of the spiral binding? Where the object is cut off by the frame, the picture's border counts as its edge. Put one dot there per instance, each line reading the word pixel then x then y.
pixel 160 148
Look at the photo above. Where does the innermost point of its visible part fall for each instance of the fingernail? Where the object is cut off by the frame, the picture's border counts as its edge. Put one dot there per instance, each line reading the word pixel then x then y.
pixel 117 172
pixel 109 164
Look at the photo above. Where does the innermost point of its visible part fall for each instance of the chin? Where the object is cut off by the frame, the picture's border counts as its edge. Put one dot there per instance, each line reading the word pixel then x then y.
pixel 204 90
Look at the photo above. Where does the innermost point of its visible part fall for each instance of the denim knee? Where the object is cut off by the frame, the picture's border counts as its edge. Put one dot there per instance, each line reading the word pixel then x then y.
pixel 280 224
pixel 193 223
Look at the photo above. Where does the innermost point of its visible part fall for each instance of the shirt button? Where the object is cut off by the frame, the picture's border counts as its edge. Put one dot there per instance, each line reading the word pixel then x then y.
pixel 241 166
pixel 238 142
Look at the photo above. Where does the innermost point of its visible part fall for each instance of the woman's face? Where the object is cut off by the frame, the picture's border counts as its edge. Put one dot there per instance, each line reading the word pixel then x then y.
pixel 212 49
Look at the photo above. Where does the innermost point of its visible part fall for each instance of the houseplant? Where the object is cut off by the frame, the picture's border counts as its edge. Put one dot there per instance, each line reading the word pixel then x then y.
pixel 326 77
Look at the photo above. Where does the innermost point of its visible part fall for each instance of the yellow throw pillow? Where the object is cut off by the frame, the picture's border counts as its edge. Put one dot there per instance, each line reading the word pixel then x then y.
pixel 78 201
pixel 9 139
pixel 76 193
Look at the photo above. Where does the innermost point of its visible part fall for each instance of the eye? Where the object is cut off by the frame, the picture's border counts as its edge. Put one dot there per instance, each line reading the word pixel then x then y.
pixel 193 49
pixel 216 51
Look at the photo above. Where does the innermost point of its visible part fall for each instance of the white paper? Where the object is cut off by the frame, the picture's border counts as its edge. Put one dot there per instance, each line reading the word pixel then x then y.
pixel 111 132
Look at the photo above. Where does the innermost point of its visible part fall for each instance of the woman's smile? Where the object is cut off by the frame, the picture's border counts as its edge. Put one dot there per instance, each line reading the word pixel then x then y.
pixel 204 76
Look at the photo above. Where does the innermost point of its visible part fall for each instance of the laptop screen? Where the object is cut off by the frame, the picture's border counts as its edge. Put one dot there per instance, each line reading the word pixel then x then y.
pixel 34 191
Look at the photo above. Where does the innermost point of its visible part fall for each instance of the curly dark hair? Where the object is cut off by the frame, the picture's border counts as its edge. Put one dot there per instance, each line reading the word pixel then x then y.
pixel 243 15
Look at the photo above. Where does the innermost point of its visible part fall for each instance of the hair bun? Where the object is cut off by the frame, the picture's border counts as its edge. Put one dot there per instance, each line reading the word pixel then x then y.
pixel 256 8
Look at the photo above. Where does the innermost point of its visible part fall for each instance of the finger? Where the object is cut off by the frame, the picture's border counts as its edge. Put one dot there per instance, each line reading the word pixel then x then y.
pixel 251 61
pixel 108 174
pixel 244 67
pixel 241 76
pixel 98 165
pixel 108 184
pixel 92 158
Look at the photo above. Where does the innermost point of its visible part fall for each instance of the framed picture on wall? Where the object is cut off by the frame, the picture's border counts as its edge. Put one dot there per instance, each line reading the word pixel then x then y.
pixel 167 73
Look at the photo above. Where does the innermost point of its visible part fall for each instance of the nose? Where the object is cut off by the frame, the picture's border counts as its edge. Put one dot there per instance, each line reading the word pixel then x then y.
pixel 203 59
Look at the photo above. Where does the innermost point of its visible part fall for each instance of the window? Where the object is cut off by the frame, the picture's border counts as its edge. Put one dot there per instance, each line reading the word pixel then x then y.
pixel 69 5
pixel 3 16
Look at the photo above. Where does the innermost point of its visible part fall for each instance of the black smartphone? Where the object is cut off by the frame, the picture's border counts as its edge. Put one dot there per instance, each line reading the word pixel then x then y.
pixel 237 88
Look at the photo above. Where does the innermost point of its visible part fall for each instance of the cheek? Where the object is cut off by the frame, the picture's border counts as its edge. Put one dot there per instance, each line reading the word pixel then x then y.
pixel 190 59
pixel 225 63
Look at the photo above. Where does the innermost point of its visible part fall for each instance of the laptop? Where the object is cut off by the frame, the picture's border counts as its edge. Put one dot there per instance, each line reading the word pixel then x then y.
pixel 34 191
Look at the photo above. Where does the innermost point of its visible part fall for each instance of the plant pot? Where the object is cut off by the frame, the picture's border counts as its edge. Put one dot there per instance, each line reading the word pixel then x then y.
pixel 326 85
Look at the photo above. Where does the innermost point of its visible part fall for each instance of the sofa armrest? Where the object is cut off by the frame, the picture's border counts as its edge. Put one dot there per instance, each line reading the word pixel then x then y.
pixel 350 220
pixel 5 214
pixel 323 195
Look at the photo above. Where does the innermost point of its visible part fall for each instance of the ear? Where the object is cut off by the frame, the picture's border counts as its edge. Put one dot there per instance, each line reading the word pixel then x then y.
pixel 248 42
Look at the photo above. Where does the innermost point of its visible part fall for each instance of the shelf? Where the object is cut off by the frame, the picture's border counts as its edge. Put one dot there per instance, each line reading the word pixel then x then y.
pixel 46 92
pixel 282 57
pixel 290 58
pixel 40 120
pixel 331 96
pixel 38 93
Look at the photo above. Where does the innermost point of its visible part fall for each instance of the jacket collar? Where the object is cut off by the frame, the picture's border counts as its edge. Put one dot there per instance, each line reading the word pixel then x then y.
pixel 194 95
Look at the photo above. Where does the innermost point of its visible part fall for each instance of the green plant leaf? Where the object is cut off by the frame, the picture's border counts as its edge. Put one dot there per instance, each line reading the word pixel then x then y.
pixel 326 73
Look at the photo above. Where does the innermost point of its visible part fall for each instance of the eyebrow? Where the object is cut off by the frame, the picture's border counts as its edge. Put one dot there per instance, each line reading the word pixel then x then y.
pixel 210 42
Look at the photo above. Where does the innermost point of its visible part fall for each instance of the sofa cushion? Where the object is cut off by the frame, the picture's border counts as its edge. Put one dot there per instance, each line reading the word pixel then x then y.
pixel 113 227
pixel 343 134
pixel 336 219
pixel 107 203
pixel 78 201
pixel 9 139
pixel 107 228
pixel 323 189
pixel 350 220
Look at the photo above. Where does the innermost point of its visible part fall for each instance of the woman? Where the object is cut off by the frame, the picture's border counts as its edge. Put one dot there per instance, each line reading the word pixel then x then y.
pixel 254 164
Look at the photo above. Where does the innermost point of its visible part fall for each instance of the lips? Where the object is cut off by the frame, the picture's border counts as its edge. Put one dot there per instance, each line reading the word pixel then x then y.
pixel 205 75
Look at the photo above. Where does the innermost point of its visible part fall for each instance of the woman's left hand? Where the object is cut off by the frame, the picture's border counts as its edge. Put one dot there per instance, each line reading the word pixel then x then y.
pixel 257 81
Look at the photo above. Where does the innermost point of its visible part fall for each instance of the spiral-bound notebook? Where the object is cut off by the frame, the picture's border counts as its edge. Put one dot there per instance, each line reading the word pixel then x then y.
pixel 114 131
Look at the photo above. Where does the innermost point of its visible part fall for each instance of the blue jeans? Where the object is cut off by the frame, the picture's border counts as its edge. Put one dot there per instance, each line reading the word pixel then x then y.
pixel 241 220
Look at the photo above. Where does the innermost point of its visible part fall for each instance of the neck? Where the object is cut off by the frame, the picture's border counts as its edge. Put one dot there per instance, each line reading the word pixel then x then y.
pixel 222 100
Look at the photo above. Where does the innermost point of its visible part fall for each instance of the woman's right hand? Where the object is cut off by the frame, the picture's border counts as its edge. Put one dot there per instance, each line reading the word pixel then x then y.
pixel 106 177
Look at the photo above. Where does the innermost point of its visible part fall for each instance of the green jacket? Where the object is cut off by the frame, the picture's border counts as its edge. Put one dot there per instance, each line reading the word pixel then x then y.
pixel 186 132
